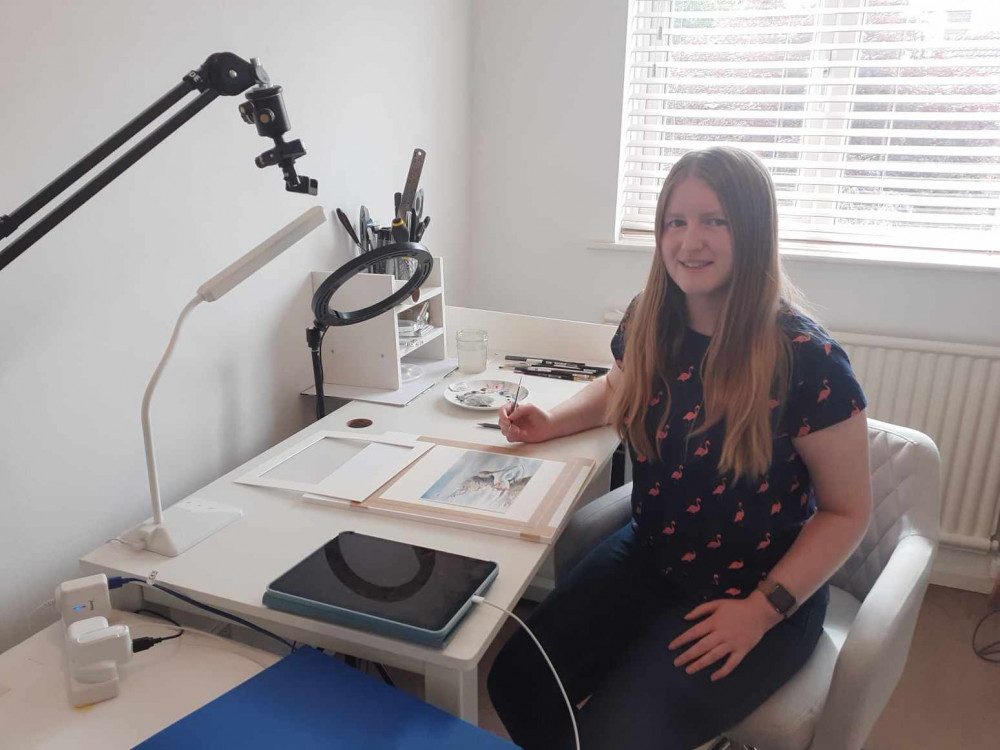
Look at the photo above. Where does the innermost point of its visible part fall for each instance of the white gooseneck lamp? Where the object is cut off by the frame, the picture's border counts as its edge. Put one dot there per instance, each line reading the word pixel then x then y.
pixel 181 526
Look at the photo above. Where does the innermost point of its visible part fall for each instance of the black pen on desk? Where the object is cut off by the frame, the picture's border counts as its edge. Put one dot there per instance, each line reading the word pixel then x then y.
pixel 491 425
pixel 543 361
pixel 534 369
pixel 579 377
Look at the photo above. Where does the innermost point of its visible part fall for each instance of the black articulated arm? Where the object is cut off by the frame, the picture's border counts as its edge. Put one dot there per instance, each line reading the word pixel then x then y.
pixel 222 74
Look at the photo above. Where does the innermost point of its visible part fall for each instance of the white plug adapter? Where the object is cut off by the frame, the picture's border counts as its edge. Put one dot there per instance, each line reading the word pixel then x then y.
pixel 94 650
pixel 83 598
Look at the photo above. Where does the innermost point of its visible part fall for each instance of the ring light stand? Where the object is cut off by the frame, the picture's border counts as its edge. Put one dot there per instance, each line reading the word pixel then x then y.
pixel 325 317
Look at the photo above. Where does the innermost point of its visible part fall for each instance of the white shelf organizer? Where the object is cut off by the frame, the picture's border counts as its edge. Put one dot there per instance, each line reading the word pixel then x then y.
pixel 369 354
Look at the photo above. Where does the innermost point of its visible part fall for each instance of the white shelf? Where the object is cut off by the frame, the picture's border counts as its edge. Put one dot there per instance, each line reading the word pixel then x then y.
pixel 367 355
pixel 426 293
pixel 408 346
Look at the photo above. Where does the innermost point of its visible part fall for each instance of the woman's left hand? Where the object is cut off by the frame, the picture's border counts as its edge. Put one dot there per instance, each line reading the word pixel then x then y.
pixel 731 629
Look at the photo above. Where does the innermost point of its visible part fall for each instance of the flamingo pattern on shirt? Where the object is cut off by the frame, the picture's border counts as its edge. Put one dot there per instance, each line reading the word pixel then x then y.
pixel 714 537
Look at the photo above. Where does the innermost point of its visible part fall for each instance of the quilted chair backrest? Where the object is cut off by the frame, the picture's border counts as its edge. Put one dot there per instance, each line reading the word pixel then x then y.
pixel 906 492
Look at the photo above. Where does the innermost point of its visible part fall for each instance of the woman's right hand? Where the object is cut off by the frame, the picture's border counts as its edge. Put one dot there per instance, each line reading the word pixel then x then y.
pixel 526 424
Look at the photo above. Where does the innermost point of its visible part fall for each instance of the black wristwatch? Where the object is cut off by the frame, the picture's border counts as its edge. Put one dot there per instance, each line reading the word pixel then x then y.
pixel 780 598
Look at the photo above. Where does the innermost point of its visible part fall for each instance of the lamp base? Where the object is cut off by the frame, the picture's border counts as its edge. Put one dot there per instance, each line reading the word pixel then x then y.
pixel 184 525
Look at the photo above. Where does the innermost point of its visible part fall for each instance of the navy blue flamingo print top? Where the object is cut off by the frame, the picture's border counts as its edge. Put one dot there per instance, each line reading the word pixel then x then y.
pixel 710 535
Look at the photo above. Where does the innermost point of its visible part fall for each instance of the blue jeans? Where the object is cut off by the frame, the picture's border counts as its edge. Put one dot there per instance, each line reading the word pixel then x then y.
pixel 606 629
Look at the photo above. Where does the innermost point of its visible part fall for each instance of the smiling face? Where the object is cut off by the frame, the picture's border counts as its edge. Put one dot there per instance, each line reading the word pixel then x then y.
pixel 696 244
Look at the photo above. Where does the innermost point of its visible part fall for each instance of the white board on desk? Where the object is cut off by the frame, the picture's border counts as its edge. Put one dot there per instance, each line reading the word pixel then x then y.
pixel 340 465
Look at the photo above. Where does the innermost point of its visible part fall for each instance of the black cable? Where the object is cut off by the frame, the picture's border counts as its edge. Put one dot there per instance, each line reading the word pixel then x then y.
pixel 171 620
pixel 149 642
pixel 314 337
pixel 115 582
pixel 364 665
pixel 990 649
pixel 141 644
pixel 385 675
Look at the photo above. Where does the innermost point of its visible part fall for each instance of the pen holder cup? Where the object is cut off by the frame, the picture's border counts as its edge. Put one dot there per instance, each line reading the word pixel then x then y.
pixel 403 268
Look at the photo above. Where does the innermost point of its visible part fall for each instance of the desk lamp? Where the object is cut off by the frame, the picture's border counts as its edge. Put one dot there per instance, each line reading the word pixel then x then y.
pixel 191 520
pixel 222 74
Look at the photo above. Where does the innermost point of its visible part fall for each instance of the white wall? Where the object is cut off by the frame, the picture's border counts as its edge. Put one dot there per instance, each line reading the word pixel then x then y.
pixel 547 108
pixel 86 312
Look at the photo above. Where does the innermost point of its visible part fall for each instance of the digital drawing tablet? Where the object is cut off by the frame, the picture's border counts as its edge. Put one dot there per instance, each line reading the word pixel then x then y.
pixel 391 588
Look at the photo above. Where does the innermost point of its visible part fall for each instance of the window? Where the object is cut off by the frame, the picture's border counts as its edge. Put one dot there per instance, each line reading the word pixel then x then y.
pixel 878 119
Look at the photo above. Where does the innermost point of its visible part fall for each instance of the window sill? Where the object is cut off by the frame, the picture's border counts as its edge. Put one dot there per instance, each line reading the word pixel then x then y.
pixel 947 260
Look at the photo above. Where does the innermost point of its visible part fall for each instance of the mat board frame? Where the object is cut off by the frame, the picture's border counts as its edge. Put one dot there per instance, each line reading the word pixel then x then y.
pixel 351 485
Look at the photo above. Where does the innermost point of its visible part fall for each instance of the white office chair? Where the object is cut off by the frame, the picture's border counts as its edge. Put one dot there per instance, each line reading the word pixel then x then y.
pixel 833 702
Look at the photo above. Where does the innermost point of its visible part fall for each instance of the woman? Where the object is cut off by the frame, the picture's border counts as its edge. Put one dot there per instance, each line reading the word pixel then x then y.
pixel 749 450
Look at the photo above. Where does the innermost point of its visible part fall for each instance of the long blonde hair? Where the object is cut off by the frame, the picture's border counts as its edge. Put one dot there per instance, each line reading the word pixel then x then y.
pixel 749 357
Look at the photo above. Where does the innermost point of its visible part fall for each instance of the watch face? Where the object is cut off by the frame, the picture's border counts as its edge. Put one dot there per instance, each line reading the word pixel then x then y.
pixel 780 598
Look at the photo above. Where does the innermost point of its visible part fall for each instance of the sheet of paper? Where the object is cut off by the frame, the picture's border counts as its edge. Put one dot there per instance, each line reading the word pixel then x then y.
pixel 492 485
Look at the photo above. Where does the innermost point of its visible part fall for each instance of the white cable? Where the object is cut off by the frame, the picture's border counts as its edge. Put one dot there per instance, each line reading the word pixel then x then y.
pixel 572 717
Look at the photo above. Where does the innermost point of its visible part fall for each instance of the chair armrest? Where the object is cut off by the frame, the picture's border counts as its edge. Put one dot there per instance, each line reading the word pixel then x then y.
pixel 874 653
pixel 590 526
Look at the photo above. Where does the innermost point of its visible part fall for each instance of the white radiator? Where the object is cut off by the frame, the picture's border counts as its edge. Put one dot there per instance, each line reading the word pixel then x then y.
pixel 951 392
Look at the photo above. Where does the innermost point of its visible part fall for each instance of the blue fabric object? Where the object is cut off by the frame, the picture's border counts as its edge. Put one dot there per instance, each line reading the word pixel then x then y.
pixel 309 699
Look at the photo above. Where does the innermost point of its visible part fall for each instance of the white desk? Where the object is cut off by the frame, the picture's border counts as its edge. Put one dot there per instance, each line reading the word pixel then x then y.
pixel 158 687
pixel 231 569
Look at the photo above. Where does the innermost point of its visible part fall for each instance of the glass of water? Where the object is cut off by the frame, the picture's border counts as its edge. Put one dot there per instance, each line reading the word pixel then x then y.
pixel 471 345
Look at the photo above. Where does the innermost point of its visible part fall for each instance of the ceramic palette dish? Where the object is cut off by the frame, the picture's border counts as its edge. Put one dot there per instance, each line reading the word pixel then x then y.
pixel 483 395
